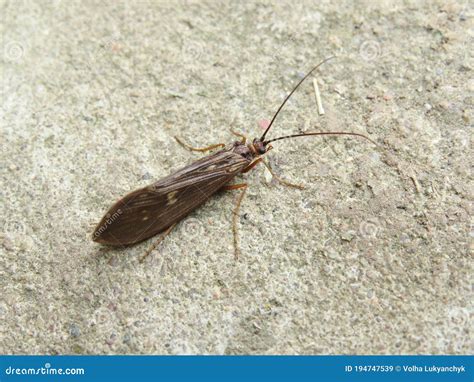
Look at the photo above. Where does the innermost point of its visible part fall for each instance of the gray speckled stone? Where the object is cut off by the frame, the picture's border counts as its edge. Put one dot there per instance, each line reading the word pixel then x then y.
pixel 372 257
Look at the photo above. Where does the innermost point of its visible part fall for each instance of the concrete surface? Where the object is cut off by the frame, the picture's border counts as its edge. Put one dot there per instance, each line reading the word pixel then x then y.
pixel 372 257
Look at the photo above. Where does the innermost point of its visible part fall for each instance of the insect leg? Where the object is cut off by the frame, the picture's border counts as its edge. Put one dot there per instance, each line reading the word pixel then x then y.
pixel 156 243
pixel 282 181
pixel 234 186
pixel 236 214
pixel 203 149
pixel 244 137
pixel 251 165
pixel 267 165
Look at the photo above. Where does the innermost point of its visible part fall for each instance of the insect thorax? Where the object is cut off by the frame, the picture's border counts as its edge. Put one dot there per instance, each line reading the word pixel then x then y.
pixel 249 151
pixel 242 149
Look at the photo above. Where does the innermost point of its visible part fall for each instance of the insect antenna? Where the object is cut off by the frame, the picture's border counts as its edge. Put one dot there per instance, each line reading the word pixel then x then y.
pixel 289 95
pixel 318 133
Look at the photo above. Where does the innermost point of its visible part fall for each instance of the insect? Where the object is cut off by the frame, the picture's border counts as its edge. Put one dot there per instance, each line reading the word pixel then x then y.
pixel 158 207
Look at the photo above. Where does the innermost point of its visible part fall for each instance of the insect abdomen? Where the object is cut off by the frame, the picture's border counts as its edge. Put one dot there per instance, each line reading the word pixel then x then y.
pixel 150 210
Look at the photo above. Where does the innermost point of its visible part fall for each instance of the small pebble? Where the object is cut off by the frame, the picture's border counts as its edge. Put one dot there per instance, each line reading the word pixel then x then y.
pixel 444 105
pixel 74 330
pixel 127 339
pixel 146 176
pixel 347 236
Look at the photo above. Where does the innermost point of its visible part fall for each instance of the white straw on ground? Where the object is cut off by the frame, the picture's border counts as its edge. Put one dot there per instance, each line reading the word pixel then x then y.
pixel 318 97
